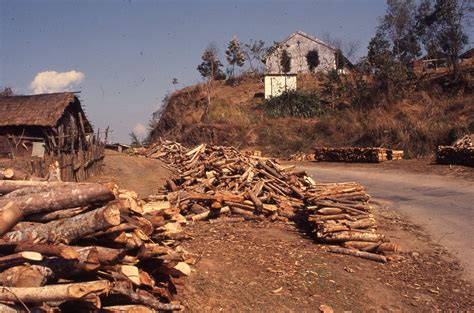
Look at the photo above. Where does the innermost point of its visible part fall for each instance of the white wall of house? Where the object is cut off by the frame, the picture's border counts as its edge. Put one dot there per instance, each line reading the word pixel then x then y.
pixel 298 45
pixel 275 85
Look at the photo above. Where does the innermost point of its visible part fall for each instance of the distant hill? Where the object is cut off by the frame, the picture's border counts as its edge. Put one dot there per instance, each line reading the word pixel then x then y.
pixel 435 111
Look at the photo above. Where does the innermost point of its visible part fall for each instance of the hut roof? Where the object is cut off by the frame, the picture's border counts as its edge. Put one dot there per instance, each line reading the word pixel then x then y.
pixel 36 110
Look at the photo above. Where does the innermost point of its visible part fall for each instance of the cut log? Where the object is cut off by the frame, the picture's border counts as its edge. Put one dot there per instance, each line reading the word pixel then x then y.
pixel 19 258
pixel 7 186
pixel 352 236
pixel 10 215
pixel 144 298
pixel 24 276
pixel 15 174
pixel 210 214
pixel 70 196
pixel 61 292
pixel 361 254
pixel 371 246
pixel 130 308
pixel 70 229
pixel 55 215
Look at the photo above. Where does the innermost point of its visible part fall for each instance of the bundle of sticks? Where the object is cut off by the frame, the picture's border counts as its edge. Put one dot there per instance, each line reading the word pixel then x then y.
pixel 86 246
pixel 212 181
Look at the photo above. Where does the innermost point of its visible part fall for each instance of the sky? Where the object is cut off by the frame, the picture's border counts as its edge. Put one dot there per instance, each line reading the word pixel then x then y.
pixel 123 55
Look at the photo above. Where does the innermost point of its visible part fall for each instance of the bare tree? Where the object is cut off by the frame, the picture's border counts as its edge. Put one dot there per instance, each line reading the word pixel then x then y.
pixel 254 50
pixel 349 47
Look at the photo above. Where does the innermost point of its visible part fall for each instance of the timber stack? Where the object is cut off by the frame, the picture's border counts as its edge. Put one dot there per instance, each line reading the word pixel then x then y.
pixel 213 181
pixel 356 155
pixel 86 246
pixel 341 214
pixel 460 153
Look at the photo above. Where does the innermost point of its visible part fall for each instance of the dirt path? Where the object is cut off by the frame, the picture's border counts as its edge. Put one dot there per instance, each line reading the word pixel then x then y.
pixel 133 173
pixel 443 205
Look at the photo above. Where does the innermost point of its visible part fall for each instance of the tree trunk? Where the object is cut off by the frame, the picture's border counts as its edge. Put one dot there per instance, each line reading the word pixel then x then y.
pixel 62 198
pixel 10 215
pixel 60 292
pixel 70 229
pixel 7 186
pixel 362 254
pixel 55 215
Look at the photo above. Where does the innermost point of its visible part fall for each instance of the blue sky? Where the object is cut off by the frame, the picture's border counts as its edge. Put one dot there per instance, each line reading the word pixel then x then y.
pixel 129 51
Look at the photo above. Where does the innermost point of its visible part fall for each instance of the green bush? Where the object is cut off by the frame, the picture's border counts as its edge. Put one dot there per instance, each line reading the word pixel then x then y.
pixel 294 103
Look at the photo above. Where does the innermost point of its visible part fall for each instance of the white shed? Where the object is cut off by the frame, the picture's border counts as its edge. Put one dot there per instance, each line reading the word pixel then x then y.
pixel 276 84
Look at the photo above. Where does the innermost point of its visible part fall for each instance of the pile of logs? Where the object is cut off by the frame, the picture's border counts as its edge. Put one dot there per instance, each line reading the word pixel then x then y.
pixel 215 181
pixel 300 156
pixel 356 155
pixel 86 246
pixel 460 153
pixel 341 214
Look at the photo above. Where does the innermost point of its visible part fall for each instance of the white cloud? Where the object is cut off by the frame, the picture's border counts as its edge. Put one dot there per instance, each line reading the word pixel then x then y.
pixel 52 81
pixel 140 130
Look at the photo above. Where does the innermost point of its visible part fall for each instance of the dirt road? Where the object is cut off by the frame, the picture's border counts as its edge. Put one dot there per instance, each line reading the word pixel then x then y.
pixel 444 206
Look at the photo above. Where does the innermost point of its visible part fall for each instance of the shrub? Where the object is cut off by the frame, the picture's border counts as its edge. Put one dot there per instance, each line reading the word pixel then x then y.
pixel 294 103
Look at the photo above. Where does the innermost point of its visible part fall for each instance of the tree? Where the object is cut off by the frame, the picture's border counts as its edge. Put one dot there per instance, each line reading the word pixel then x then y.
pixel 210 69
pixel 254 50
pixel 6 92
pixel 340 60
pixel 285 62
pixel 312 59
pixel 399 27
pixel 382 64
pixel 210 65
pixel 134 141
pixel 441 27
pixel 234 54
pixel 349 47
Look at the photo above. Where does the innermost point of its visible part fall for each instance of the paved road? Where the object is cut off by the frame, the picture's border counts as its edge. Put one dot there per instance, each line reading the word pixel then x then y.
pixel 445 206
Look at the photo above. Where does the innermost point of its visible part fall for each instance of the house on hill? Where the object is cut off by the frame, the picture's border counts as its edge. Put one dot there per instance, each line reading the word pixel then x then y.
pixel 297 46
pixel 27 123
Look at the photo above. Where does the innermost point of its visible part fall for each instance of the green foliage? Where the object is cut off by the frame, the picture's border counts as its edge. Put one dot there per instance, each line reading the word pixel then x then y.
pixel 234 54
pixel 210 65
pixel 340 60
pixel 312 59
pixel 285 62
pixel 294 103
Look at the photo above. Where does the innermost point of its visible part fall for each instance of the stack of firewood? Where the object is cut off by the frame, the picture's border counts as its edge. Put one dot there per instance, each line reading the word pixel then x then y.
pixel 86 246
pixel 341 214
pixel 219 181
pixel 356 154
pixel 461 152
pixel 300 156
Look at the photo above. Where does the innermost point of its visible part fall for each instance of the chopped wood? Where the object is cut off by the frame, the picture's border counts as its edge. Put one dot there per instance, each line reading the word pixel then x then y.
pixel 10 215
pixel 362 254
pixel 60 292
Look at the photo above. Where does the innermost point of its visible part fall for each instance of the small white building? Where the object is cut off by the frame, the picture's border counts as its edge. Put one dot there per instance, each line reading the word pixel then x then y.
pixel 276 84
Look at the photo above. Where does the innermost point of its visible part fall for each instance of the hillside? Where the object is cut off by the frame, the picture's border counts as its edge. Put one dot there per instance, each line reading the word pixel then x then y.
pixel 434 112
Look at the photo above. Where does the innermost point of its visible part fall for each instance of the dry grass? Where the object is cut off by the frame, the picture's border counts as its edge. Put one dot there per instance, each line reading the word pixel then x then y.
pixel 416 124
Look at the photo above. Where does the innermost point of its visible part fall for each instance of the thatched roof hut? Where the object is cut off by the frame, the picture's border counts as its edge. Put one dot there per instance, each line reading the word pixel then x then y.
pixel 37 117
pixel 43 110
